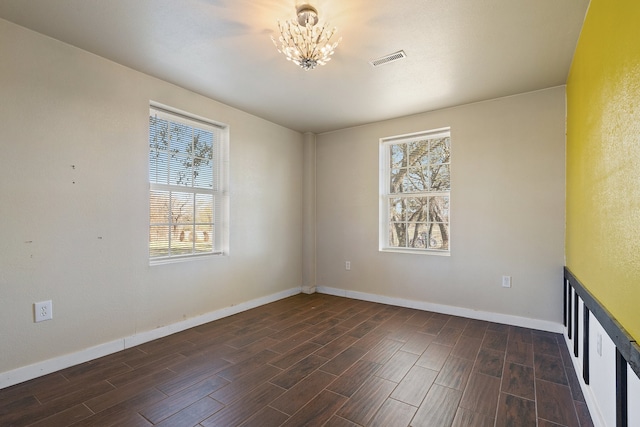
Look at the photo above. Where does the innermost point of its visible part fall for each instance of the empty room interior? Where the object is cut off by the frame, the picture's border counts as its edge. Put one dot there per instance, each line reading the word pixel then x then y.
pixel 220 213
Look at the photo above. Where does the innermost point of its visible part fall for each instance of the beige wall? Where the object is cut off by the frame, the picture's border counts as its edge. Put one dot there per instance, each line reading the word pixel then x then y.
pixel 507 209
pixel 79 236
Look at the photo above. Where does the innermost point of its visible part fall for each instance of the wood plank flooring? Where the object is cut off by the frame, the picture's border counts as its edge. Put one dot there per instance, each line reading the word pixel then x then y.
pixel 317 360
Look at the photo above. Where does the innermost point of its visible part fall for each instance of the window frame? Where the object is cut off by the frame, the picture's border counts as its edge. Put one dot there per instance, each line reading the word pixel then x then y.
pixel 220 195
pixel 385 193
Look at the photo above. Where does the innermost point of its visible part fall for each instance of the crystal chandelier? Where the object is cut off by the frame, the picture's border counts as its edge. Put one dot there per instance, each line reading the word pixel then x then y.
pixel 303 42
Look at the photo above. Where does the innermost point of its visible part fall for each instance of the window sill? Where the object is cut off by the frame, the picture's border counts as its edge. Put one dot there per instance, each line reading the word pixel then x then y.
pixel 179 259
pixel 416 251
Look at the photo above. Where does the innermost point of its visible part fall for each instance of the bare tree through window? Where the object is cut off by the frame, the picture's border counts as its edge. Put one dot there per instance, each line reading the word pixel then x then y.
pixel 184 177
pixel 416 191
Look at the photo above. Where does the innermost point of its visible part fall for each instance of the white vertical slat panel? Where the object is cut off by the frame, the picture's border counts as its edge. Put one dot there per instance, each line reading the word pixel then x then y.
pixel 602 373
pixel 633 398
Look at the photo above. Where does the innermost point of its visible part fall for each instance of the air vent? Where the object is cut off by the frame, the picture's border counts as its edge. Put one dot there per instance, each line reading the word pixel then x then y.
pixel 396 56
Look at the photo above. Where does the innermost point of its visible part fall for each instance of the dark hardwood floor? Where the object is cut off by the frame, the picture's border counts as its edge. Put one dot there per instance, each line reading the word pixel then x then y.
pixel 314 360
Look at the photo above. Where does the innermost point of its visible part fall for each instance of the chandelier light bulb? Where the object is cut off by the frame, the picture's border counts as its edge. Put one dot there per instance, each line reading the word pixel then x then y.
pixel 303 42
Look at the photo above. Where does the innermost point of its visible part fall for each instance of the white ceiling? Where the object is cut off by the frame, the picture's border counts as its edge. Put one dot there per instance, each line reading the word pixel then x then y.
pixel 458 51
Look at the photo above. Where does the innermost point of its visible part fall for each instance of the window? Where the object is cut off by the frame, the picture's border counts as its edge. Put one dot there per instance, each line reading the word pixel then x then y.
pixel 415 188
pixel 187 200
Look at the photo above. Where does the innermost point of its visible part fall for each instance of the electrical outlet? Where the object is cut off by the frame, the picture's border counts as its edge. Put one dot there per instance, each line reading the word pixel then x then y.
pixel 506 281
pixel 347 265
pixel 43 311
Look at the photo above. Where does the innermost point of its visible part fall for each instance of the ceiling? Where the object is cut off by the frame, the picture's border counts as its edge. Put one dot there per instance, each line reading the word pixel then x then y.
pixel 458 51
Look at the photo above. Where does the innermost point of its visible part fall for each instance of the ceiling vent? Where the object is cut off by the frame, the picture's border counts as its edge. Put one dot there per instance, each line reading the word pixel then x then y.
pixel 396 56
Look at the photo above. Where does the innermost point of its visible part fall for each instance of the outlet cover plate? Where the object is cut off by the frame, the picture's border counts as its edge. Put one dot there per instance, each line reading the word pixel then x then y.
pixel 43 310
pixel 506 281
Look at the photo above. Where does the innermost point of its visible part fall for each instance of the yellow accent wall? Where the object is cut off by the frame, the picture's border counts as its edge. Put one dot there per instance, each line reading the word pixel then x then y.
pixel 603 159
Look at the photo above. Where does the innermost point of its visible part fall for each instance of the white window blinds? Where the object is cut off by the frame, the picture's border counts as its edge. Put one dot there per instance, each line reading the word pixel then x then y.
pixel 186 197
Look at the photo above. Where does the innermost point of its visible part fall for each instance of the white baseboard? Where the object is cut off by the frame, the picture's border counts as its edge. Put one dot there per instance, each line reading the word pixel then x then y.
pixel 45 367
pixel 308 289
pixel 542 325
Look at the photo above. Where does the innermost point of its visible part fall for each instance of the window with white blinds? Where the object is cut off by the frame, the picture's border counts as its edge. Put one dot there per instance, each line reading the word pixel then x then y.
pixel 415 192
pixel 187 194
